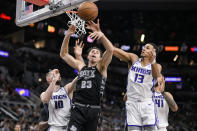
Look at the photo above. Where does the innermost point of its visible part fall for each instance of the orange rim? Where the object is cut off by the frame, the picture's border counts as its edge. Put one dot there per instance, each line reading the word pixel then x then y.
pixel 70 11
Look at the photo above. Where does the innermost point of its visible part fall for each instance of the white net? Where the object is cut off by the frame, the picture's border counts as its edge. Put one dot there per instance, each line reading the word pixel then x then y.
pixel 77 21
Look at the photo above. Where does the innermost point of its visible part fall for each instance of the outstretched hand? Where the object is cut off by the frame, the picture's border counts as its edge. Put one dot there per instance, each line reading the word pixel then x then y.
pixel 96 35
pixel 93 26
pixel 78 48
pixel 55 74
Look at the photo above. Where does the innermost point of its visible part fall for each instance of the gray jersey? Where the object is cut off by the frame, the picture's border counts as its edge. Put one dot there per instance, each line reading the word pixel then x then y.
pixel 59 108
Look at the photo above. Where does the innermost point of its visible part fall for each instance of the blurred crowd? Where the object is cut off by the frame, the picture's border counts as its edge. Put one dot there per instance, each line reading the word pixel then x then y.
pixel 112 115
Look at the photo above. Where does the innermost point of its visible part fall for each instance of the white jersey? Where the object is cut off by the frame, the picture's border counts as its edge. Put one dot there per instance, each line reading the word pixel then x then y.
pixel 162 110
pixel 140 82
pixel 59 108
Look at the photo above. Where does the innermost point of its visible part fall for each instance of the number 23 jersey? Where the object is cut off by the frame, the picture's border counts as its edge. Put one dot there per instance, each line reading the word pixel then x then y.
pixel 140 82
pixel 89 87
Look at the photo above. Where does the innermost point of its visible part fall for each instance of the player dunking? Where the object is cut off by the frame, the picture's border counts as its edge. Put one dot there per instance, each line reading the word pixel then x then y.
pixel 91 80
pixel 163 100
pixel 58 99
pixel 142 72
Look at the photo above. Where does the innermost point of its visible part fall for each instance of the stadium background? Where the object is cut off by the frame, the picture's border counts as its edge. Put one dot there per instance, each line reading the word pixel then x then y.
pixel 27 53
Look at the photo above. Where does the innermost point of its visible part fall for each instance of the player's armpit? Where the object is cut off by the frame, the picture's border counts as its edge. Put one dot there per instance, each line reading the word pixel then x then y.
pixel 125 56
pixel 169 99
pixel 70 87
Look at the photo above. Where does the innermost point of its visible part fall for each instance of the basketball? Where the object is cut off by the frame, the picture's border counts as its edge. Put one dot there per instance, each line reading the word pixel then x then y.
pixel 88 11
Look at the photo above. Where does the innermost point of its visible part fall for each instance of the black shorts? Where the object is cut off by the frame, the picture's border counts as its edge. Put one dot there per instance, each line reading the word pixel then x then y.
pixel 83 118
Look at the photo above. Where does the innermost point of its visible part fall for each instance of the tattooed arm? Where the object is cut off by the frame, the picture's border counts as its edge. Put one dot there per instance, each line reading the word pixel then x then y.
pixel 169 98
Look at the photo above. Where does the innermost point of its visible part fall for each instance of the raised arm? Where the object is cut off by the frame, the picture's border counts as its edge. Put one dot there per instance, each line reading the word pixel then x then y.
pixel 107 56
pixel 130 58
pixel 64 52
pixel 46 96
pixel 78 49
pixel 156 68
pixel 70 87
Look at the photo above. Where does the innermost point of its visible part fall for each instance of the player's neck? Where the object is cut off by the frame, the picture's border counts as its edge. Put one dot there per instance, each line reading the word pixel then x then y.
pixel 90 64
pixel 156 89
pixel 56 88
pixel 145 61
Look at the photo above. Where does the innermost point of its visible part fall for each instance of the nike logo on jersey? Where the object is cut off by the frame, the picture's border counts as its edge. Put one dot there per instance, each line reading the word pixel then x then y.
pixel 141 70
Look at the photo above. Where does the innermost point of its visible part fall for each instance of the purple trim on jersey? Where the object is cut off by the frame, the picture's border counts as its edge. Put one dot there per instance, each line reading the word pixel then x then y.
pixel 155 112
pixel 152 89
pixel 58 89
pixel 149 125
pixel 130 68
pixel 68 96
pixel 127 87
pixel 135 126
pixel 135 62
pixel 48 129
pixel 155 118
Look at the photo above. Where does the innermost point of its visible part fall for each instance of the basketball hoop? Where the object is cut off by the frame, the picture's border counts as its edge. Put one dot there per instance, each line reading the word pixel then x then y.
pixel 77 22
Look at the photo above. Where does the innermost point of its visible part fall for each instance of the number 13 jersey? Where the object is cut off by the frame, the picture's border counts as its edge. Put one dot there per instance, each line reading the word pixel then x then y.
pixel 89 87
pixel 140 82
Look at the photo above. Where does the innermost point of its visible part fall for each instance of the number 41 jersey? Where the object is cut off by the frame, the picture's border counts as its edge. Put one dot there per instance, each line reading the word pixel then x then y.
pixel 59 108
pixel 140 82
pixel 162 110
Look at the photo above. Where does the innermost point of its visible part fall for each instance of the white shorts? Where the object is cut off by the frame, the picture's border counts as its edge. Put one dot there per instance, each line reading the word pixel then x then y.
pixel 141 113
pixel 57 128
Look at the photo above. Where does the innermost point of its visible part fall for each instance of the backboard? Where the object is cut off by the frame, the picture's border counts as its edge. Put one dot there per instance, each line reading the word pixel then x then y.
pixel 28 13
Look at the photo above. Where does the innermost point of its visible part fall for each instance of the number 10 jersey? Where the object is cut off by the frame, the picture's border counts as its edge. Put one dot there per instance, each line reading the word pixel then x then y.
pixel 59 108
pixel 140 82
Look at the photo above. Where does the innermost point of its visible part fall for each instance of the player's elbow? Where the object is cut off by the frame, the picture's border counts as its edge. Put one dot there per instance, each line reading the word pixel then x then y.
pixel 63 54
pixel 175 109
pixel 111 50
pixel 44 98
